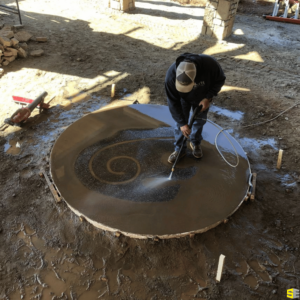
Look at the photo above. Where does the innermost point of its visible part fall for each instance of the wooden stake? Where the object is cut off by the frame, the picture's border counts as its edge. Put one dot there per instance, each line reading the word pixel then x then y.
pixel 52 188
pixel 279 161
pixel 220 267
pixel 252 197
pixel 113 88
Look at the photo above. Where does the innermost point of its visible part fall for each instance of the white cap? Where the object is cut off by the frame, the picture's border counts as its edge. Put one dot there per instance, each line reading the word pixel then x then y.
pixel 185 76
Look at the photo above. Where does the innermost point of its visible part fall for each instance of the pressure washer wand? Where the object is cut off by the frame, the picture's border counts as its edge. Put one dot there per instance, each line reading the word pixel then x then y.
pixel 195 112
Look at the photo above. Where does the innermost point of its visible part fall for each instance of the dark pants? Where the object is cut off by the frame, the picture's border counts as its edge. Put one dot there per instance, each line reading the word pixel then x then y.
pixel 196 134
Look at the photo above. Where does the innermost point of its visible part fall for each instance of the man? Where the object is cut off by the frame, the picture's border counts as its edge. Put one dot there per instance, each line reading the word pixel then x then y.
pixel 192 80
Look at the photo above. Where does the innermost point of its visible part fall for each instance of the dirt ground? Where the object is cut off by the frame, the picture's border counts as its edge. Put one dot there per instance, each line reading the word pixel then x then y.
pixel 46 252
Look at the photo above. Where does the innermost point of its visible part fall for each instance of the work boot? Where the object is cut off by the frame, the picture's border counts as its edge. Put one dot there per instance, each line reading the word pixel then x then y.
pixel 197 151
pixel 173 156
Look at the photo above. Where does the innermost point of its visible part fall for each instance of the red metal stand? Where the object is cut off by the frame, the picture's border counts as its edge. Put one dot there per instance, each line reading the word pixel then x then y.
pixel 23 101
pixel 285 20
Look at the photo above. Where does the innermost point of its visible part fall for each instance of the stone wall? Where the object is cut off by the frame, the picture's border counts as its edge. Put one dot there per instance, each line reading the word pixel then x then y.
pixel 219 18
pixel 123 5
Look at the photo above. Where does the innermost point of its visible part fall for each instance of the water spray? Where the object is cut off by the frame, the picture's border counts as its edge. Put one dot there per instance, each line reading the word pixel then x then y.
pixel 195 112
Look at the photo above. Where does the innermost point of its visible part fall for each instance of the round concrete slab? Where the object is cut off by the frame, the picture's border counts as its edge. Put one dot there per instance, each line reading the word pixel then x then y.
pixel 111 168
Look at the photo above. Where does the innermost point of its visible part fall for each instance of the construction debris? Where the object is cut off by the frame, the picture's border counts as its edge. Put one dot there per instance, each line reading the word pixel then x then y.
pixel 13 44
pixel 37 53
pixel 41 39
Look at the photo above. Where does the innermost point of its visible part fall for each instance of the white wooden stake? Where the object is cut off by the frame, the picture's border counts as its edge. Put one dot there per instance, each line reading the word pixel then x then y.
pixel 220 267
pixel 113 88
pixel 279 160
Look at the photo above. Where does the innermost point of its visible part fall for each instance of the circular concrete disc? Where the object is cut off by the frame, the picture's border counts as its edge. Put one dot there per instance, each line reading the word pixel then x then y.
pixel 111 168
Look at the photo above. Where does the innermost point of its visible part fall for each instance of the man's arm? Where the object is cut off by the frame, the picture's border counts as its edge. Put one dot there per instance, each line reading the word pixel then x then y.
pixel 217 77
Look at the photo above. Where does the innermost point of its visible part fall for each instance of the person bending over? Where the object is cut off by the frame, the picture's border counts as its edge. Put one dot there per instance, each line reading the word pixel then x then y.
pixel 191 81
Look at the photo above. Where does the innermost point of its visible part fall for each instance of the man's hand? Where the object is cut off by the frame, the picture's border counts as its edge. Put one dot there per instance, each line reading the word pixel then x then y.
pixel 186 131
pixel 205 104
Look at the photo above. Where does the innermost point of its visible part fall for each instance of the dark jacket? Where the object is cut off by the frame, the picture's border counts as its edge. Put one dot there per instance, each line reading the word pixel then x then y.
pixel 208 82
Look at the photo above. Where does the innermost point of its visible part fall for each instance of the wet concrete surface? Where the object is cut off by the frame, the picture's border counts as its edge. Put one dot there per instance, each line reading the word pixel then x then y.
pixel 111 167
pixel 132 166
pixel 235 115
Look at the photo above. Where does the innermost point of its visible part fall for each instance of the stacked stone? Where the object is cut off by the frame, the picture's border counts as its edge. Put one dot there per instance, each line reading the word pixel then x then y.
pixel 10 46
pixel 123 5
pixel 219 18
pixel 13 44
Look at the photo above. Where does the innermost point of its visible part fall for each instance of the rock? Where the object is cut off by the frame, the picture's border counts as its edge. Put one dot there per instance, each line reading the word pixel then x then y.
pixel 1 48
pixel 18 26
pixel 5 41
pixel 13 51
pixel 41 39
pixel 14 42
pixel 6 27
pixel 37 53
pixel 7 33
pixel 1 72
pixel 5 63
pixel 24 46
pixel 8 53
pixel 14 195
pixel 9 58
pixel 22 53
pixel 23 36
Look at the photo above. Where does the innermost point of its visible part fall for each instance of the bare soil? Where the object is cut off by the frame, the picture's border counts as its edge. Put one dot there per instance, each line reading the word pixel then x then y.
pixel 46 252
